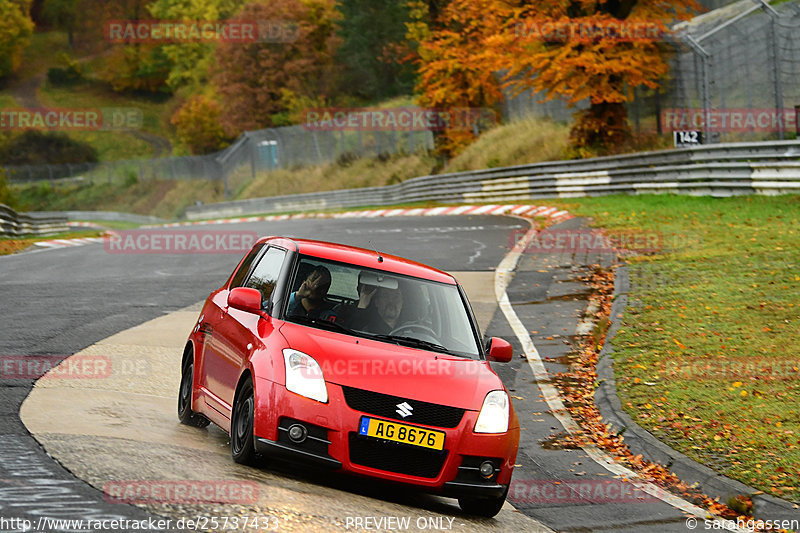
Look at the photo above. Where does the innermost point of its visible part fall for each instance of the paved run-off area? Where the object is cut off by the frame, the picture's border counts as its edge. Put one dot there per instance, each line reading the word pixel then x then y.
pixel 117 426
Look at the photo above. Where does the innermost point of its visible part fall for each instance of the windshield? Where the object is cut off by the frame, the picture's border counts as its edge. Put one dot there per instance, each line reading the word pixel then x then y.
pixel 380 305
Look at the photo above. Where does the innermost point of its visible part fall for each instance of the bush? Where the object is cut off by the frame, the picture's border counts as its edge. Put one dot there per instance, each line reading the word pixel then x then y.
pixel 198 127
pixel 7 197
pixel 39 148
pixel 71 74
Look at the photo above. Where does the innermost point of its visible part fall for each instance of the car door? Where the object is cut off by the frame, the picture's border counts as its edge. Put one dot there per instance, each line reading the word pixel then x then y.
pixel 235 335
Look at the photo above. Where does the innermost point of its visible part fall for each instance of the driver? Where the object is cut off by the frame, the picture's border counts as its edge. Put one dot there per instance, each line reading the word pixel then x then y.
pixel 387 304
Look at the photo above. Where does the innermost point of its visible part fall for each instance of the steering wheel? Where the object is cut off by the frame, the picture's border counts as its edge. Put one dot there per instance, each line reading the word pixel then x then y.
pixel 419 329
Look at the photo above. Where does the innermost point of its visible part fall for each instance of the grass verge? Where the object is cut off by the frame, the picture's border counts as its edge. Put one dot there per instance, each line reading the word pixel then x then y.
pixel 168 198
pixel 13 245
pixel 114 144
pixel 162 198
pixel 706 355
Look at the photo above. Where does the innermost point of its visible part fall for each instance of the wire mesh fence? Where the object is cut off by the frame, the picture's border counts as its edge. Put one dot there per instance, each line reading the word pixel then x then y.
pixel 251 154
pixel 735 76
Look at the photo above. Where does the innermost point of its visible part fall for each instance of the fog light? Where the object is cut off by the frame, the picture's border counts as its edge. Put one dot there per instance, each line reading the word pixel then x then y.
pixel 297 433
pixel 487 469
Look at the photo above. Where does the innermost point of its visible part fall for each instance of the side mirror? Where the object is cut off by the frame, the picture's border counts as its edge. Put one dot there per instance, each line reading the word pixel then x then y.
pixel 245 299
pixel 499 350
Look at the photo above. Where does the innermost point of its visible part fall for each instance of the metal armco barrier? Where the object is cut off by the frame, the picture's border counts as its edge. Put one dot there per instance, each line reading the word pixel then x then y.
pixel 717 170
pixel 13 224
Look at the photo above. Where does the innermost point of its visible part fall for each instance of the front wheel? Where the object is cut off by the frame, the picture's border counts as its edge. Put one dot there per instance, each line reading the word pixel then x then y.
pixel 185 413
pixel 242 446
pixel 486 507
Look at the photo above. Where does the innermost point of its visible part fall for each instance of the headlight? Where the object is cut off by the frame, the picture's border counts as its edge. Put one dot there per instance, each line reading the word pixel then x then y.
pixel 304 376
pixel 494 414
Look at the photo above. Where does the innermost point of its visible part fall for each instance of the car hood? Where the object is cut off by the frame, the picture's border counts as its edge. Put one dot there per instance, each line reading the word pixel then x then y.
pixel 396 370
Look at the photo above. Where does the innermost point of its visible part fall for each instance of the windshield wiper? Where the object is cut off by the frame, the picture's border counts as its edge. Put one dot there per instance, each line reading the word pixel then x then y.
pixel 413 342
pixel 324 324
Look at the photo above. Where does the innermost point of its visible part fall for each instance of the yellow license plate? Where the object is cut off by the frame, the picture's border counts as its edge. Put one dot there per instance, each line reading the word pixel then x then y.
pixel 383 429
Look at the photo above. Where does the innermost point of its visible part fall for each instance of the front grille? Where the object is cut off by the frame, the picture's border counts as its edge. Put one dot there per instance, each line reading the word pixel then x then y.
pixel 384 405
pixel 396 457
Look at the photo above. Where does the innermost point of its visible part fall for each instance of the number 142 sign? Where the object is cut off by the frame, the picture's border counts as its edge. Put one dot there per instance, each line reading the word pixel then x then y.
pixel 687 138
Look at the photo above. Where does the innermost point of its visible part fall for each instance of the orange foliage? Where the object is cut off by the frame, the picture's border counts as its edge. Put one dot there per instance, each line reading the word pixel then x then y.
pixel 482 46
pixel 198 125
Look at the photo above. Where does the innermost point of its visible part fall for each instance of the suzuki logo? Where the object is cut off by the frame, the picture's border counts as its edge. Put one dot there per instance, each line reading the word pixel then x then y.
pixel 404 410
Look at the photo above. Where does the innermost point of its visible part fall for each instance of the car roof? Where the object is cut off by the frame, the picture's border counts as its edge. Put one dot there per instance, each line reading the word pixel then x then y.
pixel 362 257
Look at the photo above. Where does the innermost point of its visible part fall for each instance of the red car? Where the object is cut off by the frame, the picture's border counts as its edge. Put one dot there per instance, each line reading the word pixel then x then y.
pixel 356 361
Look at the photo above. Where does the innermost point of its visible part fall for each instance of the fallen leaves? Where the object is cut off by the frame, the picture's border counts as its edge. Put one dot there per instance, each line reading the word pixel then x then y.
pixel 577 386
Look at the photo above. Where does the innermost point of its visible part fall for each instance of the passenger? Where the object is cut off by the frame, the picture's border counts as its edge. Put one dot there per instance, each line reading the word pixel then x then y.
pixel 309 300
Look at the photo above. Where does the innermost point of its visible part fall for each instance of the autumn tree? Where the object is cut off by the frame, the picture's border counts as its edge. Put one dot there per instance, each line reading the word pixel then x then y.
pixel 133 66
pixel 198 127
pixel 259 83
pixel 16 29
pixel 601 66
pixel 191 62
pixel 456 70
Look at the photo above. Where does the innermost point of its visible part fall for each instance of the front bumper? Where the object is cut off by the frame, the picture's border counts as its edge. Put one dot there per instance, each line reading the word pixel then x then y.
pixel 333 442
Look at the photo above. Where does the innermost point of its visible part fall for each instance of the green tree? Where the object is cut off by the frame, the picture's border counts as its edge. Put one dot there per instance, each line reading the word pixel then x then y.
pixel 130 67
pixel 16 28
pixel 62 14
pixel 374 49
pixel 190 63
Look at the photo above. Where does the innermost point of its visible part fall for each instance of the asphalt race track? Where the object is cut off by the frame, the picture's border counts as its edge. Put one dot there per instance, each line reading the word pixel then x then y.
pixel 58 302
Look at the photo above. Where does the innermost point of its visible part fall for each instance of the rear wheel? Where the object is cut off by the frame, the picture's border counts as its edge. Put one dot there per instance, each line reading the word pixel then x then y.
pixel 242 443
pixel 487 507
pixel 185 413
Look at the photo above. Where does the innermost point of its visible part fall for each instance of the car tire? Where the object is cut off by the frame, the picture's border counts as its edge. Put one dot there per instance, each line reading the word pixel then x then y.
pixel 486 507
pixel 243 448
pixel 185 413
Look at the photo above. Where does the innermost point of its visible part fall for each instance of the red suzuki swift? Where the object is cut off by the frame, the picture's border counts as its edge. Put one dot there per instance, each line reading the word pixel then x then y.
pixel 356 361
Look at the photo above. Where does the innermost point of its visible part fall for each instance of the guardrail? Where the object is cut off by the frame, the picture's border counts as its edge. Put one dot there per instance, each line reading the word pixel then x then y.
pixel 101 216
pixel 718 170
pixel 13 224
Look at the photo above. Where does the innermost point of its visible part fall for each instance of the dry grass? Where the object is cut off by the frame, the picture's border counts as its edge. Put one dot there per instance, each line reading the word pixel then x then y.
pixel 518 143
pixel 522 142
pixel 345 175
